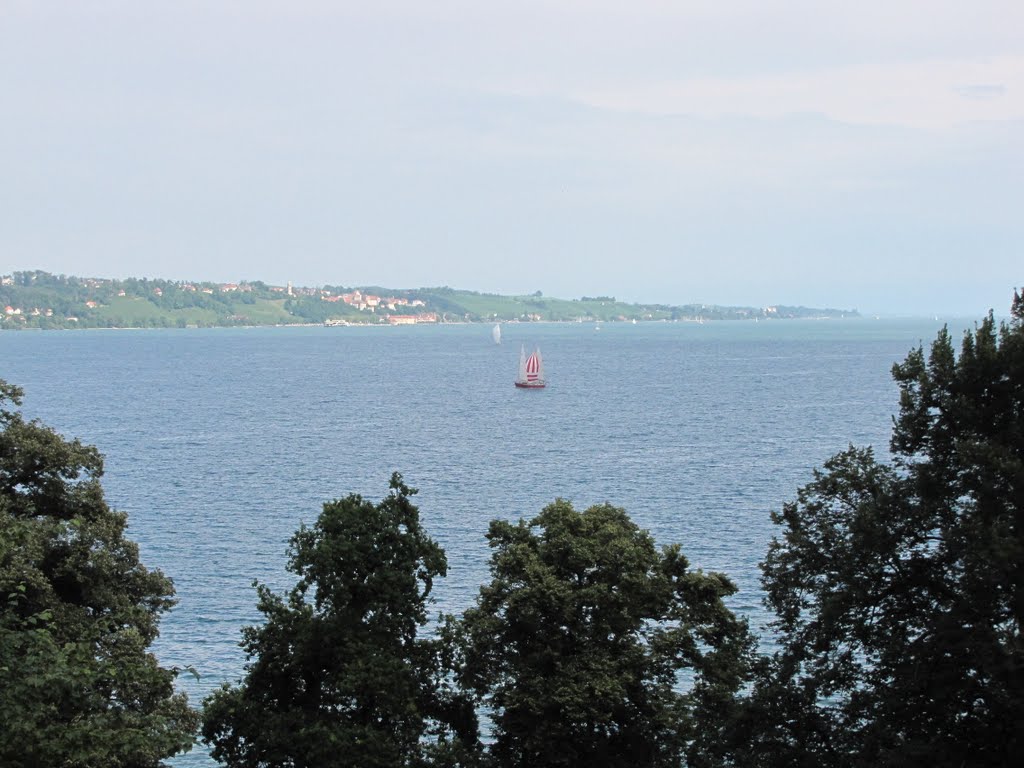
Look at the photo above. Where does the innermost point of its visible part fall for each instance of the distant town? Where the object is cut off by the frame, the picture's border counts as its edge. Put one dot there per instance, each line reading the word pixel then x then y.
pixel 37 299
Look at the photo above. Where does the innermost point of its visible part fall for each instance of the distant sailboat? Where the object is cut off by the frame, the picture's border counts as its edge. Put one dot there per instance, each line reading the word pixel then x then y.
pixel 531 370
pixel 496 333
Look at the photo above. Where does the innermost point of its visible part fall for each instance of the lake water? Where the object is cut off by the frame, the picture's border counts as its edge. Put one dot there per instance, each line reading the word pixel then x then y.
pixel 220 442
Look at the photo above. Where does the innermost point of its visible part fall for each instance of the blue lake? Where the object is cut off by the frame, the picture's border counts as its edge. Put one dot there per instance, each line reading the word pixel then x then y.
pixel 220 442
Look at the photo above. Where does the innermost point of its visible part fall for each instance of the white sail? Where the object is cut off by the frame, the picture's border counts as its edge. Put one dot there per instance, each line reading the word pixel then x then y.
pixel 496 333
pixel 522 364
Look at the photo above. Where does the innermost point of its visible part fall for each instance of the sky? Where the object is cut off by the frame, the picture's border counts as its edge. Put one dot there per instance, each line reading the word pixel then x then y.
pixel 861 155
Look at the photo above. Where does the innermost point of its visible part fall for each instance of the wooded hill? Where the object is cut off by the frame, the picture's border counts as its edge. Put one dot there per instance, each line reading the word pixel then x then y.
pixel 38 299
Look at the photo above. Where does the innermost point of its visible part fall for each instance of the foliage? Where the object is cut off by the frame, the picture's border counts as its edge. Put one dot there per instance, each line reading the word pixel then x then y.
pixel 337 675
pixel 313 310
pixel 77 614
pixel 577 645
pixel 899 589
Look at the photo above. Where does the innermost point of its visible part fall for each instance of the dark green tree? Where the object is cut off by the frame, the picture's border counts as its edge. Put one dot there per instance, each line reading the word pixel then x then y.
pixel 78 612
pixel 337 675
pixel 899 589
pixel 590 647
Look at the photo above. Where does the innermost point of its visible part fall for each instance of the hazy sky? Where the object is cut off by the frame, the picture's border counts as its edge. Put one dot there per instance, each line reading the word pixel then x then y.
pixel 865 155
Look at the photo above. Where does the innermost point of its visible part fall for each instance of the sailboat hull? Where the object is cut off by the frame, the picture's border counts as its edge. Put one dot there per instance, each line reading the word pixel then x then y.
pixel 530 384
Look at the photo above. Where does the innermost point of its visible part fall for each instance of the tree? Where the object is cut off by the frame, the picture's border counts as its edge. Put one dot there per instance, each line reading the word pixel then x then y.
pixel 78 612
pixel 577 645
pixel 337 675
pixel 899 589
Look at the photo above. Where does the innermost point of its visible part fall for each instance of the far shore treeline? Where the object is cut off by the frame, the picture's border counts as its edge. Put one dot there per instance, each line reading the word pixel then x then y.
pixel 896 590
pixel 35 299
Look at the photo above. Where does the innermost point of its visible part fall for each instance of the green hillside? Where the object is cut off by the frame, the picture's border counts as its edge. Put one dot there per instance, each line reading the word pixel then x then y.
pixel 41 300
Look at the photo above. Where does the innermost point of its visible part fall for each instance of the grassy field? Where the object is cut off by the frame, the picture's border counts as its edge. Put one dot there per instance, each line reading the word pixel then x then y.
pixel 485 306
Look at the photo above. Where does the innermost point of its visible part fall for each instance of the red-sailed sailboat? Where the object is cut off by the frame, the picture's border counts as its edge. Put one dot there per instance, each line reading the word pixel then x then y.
pixel 531 370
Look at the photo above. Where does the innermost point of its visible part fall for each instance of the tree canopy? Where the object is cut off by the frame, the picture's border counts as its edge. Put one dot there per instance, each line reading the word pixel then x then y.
pixel 78 611
pixel 337 675
pixel 899 589
pixel 577 645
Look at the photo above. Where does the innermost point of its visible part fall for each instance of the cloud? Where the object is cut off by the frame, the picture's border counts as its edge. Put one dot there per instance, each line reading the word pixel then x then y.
pixel 921 94
pixel 981 91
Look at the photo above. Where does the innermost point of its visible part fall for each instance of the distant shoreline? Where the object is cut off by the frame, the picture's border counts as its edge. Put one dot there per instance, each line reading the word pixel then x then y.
pixel 38 299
